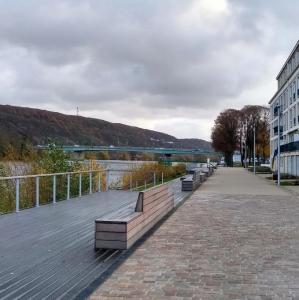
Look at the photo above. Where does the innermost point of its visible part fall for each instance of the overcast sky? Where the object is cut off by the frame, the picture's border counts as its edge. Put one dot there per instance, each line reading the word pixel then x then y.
pixel 167 65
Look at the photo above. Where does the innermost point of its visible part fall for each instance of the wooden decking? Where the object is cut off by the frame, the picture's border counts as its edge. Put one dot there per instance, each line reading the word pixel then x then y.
pixel 48 252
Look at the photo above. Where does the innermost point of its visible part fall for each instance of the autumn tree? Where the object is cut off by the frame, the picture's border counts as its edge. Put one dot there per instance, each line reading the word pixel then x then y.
pixel 254 118
pixel 225 134
pixel 263 135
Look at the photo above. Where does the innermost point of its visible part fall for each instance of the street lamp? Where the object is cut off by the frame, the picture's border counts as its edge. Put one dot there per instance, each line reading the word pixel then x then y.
pixel 245 143
pixel 278 145
pixel 254 170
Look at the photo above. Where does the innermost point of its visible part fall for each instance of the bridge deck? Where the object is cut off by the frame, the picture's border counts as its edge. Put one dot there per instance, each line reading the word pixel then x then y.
pixel 47 252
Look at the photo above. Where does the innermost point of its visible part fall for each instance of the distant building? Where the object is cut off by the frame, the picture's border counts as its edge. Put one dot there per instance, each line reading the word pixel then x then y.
pixel 237 157
pixel 287 98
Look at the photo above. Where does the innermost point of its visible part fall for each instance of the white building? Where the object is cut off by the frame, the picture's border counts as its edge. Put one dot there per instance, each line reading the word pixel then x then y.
pixel 287 98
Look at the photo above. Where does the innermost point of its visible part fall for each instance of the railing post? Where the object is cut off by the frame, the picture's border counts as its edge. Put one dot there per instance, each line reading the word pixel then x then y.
pixel 154 178
pixel 162 177
pixel 68 186
pixel 130 181
pixel 107 180
pixel 145 184
pixel 90 182
pixel 99 183
pixel 80 184
pixel 54 188
pixel 18 195
pixel 37 191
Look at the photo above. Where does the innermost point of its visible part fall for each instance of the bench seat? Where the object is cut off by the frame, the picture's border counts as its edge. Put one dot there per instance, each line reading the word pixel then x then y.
pixel 121 229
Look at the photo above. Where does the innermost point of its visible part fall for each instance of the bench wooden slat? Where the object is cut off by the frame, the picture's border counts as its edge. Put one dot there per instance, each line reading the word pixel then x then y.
pixel 155 190
pixel 163 210
pixel 132 224
pixel 156 202
pixel 110 227
pixel 110 244
pixel 149 225
pixel 149 199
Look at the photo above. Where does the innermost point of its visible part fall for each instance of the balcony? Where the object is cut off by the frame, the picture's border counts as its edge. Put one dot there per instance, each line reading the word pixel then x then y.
pixel 290 147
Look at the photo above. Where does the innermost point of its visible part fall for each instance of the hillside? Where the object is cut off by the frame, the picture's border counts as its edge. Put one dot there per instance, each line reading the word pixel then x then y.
pixel 39 126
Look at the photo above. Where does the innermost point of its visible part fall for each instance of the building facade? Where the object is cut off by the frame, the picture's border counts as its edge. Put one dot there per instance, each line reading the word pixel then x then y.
pixel 286 103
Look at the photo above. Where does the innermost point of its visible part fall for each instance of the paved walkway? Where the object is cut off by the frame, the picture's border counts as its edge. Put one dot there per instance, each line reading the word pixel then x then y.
pixel 236 237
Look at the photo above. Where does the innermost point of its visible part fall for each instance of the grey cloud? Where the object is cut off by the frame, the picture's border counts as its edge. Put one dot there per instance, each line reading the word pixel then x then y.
pixel 139 56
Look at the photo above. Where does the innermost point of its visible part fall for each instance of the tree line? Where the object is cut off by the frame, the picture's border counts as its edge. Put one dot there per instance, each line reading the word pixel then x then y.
pixel 234 129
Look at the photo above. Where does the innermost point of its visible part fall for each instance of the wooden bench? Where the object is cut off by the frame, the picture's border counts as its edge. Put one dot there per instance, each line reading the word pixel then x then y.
pixel 203 177
pixel 191 182
pixel 207 171
pixel 121 229
pixel 201 171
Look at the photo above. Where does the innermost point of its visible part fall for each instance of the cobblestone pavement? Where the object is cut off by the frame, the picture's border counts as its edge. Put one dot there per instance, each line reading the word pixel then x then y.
pixel 217 245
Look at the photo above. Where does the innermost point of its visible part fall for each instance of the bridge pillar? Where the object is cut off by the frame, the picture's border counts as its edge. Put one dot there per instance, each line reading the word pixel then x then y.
pixel 78 155
pixel 167 159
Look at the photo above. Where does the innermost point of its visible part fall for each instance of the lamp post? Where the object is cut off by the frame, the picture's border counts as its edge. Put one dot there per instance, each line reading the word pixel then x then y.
pixel 254 170
pixel 278 147
pixel 245 144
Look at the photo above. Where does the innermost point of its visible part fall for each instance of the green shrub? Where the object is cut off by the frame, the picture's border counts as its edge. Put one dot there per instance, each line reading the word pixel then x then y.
pixel 261 169
pixel 290 183
pixel 53 160
pixel 283 176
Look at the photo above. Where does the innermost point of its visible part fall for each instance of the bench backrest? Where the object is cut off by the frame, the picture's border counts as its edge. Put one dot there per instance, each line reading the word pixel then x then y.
pixel 196 175
pixel 153 196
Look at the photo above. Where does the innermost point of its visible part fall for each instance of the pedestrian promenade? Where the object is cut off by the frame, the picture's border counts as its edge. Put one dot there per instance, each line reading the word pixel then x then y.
pixel 236 237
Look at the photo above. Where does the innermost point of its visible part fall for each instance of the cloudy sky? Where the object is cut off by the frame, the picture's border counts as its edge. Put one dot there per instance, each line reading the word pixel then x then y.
pixel 167 65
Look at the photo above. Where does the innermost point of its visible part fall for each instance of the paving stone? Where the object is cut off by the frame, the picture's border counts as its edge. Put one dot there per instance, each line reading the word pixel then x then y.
pixel 218 245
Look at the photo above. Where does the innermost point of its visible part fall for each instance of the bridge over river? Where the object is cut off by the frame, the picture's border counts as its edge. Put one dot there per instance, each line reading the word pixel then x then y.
pixel 47 252
pixel 164 151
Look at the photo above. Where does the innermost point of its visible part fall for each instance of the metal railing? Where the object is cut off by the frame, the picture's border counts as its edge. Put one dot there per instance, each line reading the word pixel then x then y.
pixel 69 187
pixel 150 181
pixel 16 182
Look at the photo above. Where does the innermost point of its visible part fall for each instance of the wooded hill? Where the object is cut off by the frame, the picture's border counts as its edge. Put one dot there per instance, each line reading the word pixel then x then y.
pixel 27 125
